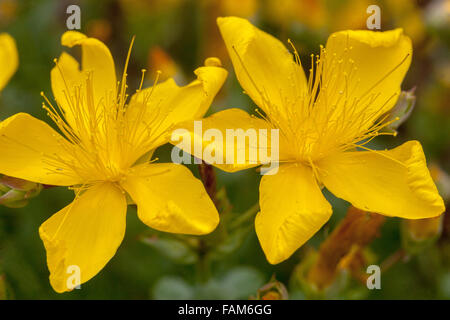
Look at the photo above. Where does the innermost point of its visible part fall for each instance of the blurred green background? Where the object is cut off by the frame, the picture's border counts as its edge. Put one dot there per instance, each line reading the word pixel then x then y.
pixel 175 36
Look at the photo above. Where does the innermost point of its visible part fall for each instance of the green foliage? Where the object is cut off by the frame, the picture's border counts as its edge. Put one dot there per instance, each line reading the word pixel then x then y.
pixel 237 283
pixel 229 263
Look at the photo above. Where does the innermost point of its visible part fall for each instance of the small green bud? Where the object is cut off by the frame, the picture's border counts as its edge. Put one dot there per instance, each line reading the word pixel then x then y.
pixel 402 110
pixel 15 193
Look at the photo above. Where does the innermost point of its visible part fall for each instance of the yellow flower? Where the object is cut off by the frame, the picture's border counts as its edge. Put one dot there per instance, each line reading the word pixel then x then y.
pixel 9 59
pixel 100 155
pixel 322 121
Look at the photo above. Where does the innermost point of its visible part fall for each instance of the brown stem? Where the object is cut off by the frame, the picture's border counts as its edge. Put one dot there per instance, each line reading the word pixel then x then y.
pixel 399 255
pixel 208 177
pixel 357 228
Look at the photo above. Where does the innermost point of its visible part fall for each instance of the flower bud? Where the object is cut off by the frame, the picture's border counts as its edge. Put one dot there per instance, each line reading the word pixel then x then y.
pixel 274 290
pixel 402 110
pixel 15 193
pixel 442 180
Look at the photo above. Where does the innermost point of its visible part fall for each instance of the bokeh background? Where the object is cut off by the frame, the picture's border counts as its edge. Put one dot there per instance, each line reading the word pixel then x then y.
pixel 175 36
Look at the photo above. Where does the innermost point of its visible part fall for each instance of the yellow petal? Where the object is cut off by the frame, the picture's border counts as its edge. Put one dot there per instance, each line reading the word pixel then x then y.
pixel 394 182
pixel 66 76
pixel 157 109
pixel 9 59
pixel 85 234
pixel 169 198
pixel 264 67
pixel 246 130
pixel 363 71
pixel 293 209
pixel 96 58
pixel 32 150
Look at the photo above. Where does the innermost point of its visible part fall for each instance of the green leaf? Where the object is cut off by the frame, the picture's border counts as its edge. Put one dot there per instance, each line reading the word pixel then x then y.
pixel 230 244
pixel 174 249
pixel 172 288
pixel 241 282
pixel 238 283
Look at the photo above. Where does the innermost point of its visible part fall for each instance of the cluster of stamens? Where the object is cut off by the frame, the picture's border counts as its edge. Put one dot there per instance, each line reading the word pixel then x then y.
pixel 103 139
pixel 328 117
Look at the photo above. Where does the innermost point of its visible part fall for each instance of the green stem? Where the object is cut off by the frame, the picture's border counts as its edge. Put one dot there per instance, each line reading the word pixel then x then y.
pixel 246 216
pixel 203 267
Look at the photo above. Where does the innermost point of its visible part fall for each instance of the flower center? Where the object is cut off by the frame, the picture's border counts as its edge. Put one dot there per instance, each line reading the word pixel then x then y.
pixel 103 139
pixel 329 116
